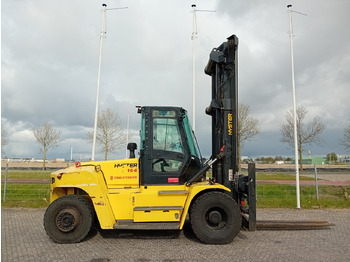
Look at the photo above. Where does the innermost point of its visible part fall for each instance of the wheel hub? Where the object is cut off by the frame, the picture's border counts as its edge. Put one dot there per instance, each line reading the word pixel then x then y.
pixel 67 220
pixel 215 217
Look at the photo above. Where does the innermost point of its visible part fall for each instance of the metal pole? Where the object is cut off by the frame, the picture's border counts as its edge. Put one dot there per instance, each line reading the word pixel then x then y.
pixel 252 196
pixel 194 36
pixel 71 153
pixel 316 184
pixel 102 36
pixel 294 108
pixel 5 184
pixel 127 137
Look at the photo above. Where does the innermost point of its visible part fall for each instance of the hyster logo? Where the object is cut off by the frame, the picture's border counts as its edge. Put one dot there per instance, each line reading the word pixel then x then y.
pixel 125 164
pixel 229 124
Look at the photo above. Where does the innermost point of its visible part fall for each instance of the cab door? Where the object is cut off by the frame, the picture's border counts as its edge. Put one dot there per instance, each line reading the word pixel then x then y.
pixel 164 154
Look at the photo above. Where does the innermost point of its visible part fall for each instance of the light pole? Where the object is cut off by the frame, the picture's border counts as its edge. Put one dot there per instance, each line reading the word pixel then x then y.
pixel 102 36
pixel 294 106
pixel 193 38
pixel 127 136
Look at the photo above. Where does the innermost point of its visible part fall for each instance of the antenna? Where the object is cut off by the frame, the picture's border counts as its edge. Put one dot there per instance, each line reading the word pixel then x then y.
pixel 193 38
pixel 102 36
pixel 294 104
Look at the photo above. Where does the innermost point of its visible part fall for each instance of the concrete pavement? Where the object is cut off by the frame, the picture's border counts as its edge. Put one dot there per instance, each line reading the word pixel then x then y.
pixel 24 239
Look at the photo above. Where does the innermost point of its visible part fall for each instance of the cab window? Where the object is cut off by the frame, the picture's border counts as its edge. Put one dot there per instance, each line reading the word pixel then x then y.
pixel 166 135
pixel 166 165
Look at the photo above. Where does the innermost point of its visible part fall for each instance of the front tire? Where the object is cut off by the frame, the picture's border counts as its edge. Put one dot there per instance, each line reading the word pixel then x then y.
pixel 215 218
pixel 68 219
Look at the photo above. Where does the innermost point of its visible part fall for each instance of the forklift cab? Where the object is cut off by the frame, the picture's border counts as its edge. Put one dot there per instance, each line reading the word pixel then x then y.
pixel 169 152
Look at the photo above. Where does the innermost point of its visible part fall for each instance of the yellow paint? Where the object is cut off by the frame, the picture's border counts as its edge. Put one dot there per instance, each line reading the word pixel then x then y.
pixel 121 203
pixel 165 215
pixel 116 194
pixel 121 173
pixel 229 124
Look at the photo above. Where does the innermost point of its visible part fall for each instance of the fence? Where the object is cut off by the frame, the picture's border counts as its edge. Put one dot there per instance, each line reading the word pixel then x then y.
pixel 25 188
pixel 30 188
pixel 284 196
pixel 329 191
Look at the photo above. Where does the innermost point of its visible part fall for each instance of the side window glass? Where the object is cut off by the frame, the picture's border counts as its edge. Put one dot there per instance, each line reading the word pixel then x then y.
pixel 166 135
pixel 166 165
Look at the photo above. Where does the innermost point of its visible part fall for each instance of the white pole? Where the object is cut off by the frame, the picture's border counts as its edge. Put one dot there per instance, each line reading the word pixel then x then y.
pixel 294 108
pixel 127 137
pixel 102 36
pixel 316 184
pixel 194 36
pixel 71 153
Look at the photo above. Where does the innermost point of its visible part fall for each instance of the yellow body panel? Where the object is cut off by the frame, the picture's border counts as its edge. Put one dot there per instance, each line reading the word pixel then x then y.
pixel 121 203
pixel 121 173
pixel 115 192
pixel 164 215
pixel 160 203
pixel 87 179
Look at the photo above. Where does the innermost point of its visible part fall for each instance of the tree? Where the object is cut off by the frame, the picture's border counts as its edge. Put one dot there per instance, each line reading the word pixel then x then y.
pixel 47 137
pixel 110 133
pixel 247 128
pixel 346 138
pixel 266 160
pixel 332 157
pixel 278 158
pixel 309 133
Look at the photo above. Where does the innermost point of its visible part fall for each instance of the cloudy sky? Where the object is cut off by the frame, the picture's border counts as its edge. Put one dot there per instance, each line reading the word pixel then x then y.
pixel 50 54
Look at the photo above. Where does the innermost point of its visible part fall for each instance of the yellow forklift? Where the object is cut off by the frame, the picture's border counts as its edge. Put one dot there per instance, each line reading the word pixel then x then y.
pixel 168 182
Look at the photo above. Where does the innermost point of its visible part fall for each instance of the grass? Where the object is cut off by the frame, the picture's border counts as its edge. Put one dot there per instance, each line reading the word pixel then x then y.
pixel 268 196
pixel 26 195
pixel 27 174
pixel 284 196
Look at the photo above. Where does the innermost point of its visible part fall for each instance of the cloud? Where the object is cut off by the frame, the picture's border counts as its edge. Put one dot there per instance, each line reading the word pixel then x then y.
pixel 50 63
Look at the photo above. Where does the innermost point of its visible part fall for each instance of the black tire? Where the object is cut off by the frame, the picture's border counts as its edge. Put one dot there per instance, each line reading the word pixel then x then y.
pixel 215 218
pixel 68 219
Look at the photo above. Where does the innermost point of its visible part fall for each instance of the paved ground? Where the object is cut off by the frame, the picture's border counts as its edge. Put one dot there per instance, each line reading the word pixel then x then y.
pixel 24 239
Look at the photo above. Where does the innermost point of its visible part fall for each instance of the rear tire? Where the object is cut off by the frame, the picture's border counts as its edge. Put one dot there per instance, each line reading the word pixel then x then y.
pixel 215 218
pixel 68 219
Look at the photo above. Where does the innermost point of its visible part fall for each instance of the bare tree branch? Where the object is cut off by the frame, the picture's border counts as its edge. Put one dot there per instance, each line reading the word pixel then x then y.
pixel 346 138
pixel 247 128
pixel 47 137
pixel 110 132
pixel 4 135
pixel 307 133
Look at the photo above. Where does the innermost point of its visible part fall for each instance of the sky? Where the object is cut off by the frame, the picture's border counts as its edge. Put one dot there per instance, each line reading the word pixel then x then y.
pixel 49 66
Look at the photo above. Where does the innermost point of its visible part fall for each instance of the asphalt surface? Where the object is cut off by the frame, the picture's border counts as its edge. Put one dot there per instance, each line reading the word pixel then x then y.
pixel 23 239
